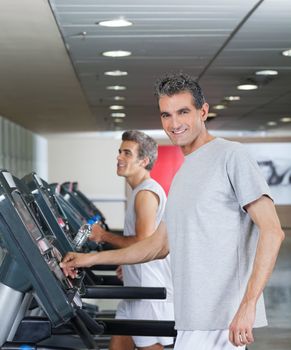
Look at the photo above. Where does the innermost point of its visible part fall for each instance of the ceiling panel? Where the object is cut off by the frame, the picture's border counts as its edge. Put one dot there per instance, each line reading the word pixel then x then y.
pixel 52 68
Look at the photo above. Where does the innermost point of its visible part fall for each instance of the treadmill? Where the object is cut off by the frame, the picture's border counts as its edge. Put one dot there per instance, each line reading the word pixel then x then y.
pixel 30 268
pixel 69 190
pixel 55 219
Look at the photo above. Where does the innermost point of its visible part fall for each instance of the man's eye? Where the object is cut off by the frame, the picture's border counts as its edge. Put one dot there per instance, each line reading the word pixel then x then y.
pixel 164 115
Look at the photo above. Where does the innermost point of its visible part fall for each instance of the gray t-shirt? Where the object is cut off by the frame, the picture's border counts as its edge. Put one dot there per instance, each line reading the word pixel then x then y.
pixel 212 238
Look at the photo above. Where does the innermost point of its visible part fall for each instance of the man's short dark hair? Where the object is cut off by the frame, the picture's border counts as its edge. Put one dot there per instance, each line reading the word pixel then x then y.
pixel 172 84
pixel 147 146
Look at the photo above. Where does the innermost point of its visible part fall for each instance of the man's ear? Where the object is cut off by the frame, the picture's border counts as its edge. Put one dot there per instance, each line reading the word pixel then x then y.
pixel 145 161
pixel 204 111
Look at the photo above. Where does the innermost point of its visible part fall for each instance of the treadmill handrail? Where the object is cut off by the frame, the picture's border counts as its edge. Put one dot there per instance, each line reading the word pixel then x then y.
pixel 110 292
pixel 152 328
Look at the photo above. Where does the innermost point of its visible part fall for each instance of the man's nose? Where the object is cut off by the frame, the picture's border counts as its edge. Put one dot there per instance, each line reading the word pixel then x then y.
pixel 175 122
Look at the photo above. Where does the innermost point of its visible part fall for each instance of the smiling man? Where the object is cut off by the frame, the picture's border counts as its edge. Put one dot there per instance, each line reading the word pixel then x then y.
pixel 145 207
pixel 220 225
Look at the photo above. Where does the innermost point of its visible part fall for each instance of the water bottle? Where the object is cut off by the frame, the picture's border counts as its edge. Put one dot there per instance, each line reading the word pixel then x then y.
pixel 96 219
pixel 82 236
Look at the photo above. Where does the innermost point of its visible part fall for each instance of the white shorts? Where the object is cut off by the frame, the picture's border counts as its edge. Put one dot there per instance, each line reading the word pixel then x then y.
pixel 146 310
pixel 204 340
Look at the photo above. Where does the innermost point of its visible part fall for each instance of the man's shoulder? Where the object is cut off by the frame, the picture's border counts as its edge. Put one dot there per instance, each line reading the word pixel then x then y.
pixel 153 186
pixel 150 184
pixel 229 148
pixel 228 144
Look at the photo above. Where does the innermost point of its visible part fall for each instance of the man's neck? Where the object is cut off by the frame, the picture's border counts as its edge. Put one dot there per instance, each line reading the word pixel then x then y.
pixel 137 179
pixel 199 142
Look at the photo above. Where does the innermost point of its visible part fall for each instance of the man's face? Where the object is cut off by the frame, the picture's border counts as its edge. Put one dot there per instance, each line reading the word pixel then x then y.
pixel 181 120
pixel 128 163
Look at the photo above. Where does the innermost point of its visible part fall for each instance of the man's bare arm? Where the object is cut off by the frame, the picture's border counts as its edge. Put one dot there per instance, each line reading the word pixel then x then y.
pixel 151 248
pixel 263 214
pixel 146 206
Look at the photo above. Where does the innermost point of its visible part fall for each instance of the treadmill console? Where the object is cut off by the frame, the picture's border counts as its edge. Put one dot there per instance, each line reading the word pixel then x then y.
pixel 37 256
pixel 50 212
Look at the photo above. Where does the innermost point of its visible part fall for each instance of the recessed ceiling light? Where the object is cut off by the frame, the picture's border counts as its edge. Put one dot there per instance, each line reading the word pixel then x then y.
pixel 267 72
pixel 232 98
pixel 286 53
pixel 271 123
pixel 219 107
pixel 116 53
pixel 116 87
pixel 116 73
pixel 116 107
pixel 120 22
pixel 212 114
pixel 118 98
pixel 118 115
pixel 247 87
pixel 118 120
pixel 286 119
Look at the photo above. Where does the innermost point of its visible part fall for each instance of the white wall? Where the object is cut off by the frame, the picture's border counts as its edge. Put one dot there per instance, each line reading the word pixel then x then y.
pixel 40 147
pixel 90 160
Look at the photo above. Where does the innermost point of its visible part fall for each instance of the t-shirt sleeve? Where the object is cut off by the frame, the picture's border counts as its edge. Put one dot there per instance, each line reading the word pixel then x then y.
pixel 246 177
pixel 164 216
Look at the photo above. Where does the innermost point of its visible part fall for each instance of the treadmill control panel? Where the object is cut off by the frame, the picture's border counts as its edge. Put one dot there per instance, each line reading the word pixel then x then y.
pixel 35 253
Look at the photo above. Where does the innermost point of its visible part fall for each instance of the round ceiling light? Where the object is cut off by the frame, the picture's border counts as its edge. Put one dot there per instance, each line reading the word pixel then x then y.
pixel 286 119
pixel 287 53
pixel 271 123
pixel 118 120
pixel 116 87
pixel 232 98
pixel 211 114
pixel 118 98
pixel 116 107
pixel 267 72
pixel 120 22
pixel 116 53
pixel 115 73
pixel 247 87
pixel 219 107
pixel 118 115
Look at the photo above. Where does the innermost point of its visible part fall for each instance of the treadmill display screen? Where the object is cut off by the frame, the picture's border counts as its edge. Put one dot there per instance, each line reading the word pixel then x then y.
pixel 26 216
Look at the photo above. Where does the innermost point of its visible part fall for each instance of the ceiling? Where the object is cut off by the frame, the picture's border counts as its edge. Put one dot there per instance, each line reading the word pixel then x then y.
pixel 52 69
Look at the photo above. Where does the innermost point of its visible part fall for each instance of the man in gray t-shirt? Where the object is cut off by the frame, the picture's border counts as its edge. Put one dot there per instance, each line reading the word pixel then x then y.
pixel 223 231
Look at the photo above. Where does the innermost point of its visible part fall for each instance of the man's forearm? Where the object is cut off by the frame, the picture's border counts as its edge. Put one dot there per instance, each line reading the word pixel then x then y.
pixel 267 251
pixel 264 216
pixel 240 329
pixel 151 248
pixel 118 241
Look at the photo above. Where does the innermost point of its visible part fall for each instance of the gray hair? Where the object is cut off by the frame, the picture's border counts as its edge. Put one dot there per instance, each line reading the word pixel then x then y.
pixel 147 146
pixel 172 84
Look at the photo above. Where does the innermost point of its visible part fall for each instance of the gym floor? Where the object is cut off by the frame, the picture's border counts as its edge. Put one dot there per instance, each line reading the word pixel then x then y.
pixel 278 302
